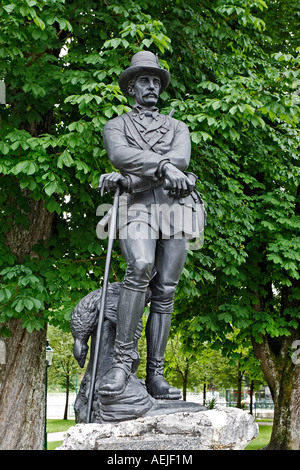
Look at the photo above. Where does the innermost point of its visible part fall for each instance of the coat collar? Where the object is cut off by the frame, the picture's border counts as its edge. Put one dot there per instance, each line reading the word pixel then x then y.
pixel 139 111
pixel 159 120
pixel 145 132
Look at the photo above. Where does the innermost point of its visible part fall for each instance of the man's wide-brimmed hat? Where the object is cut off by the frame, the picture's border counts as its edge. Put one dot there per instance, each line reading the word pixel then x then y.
pixel 143 62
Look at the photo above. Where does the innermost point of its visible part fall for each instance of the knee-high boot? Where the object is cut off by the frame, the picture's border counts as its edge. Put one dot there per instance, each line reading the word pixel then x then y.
pixel 157 334
pixel 130 309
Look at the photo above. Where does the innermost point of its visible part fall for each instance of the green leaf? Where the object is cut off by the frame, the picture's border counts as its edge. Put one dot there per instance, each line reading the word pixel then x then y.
pixel 9 8
pixel 28 303
pixel 199 136
pixel 147 42
pixel 39 22
pixel 37 303
pixel 50 188
pixel 114 43
pixel 36 34
pixel 65 159
pixel 19 306
pixel 4 148
pixel 53 206
pixel 82 166
pixel 27 167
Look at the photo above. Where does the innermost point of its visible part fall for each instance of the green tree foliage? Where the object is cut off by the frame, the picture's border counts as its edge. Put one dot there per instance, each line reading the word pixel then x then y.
pixel 64 369
pixel 237 67
pixel 235 81
pixel 65 373
pixel 242 112
pixel 60 61
pixel 201 369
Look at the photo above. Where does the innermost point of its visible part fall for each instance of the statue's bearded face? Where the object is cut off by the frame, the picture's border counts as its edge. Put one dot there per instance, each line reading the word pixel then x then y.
pixel 145 90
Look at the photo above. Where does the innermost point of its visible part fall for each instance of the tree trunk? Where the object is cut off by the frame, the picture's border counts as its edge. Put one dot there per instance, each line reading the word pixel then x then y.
pixel 251 397
pixel 184 386
pixel 204 393
pixel 239 388
pixel 21 240
pixel 185 380
pixel 22 389
pixel 283 377
pixel 22 377
pixel 67 396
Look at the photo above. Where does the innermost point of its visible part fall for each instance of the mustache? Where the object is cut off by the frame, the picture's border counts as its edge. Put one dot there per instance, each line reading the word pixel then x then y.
pixel 151 93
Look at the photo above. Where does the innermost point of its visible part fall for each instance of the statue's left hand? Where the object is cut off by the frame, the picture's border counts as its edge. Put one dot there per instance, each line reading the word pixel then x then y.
pixel 109 182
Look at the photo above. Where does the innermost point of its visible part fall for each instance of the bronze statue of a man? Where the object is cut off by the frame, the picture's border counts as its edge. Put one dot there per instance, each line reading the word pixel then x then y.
pixel 152 152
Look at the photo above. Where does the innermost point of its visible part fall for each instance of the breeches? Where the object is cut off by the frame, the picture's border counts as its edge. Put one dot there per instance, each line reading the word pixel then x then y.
pixel 166 257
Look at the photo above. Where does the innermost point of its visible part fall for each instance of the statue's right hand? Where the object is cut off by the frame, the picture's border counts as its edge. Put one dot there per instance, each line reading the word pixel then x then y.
pixel 178 183
pixel 109 182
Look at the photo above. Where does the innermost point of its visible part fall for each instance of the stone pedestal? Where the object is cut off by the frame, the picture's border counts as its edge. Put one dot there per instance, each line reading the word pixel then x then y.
pixel 217 429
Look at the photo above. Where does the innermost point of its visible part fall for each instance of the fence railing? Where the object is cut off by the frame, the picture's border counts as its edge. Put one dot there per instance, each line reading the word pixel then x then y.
pixel 258 405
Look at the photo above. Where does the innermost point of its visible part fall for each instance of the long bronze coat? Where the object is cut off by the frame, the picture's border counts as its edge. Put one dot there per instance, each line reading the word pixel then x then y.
pixel 138 146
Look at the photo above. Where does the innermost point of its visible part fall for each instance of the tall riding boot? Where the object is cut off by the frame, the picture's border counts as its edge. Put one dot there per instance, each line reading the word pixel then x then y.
pixel 130 309
pixel 157 334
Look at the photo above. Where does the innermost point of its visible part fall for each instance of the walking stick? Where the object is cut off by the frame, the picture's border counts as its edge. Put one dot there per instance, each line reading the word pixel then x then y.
pixel 103 300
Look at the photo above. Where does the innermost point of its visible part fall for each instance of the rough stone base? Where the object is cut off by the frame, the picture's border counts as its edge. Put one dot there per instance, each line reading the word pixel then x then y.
pixel 220 429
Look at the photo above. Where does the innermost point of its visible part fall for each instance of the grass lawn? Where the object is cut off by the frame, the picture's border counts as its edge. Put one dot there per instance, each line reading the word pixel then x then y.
pixel 262 439
pixel 53 445
pixel 57 425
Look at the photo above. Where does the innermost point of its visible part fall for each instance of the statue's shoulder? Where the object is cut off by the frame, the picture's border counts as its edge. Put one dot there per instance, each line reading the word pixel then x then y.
pixel 114 123
pixel 178 125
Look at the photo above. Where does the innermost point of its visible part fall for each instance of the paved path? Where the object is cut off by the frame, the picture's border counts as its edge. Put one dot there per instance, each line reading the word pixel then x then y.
pixel 56 436
pixel 265 423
